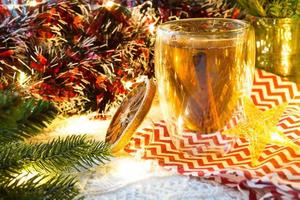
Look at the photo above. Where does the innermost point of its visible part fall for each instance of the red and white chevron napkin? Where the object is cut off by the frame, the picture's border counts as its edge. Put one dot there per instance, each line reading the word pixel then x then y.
pixel 278 175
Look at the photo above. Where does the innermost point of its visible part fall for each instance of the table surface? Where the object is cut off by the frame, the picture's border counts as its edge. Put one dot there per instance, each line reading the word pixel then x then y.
pixel 150 181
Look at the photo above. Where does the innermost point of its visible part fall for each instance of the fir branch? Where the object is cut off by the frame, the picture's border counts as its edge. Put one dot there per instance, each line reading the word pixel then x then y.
pixel 22 118
pixel 36 116
pixel 40 187
pixel 73 152
pixel 271 8
pixel 14 159
pixel 253 7
pixel 298 8
pixel 12 156
pixel 59 156
pixel 7 100
pixel 280 9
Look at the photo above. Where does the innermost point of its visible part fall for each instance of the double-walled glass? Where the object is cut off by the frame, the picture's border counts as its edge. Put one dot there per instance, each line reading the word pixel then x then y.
pixel 204 68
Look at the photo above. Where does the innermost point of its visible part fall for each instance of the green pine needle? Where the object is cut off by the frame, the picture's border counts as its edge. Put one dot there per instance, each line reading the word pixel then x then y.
pixel 298 8
pixel 281 9
pixel 271 8
pixel 23 118
pixel 253 7
pixel 60 156
pixel 36 115
pixel 49 165
pixel 12 158
pixel 72 152
pixel 40 187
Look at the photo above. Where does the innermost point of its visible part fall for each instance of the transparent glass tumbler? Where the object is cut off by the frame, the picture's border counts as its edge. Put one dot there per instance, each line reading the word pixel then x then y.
pixel 278 45
pixel 204 68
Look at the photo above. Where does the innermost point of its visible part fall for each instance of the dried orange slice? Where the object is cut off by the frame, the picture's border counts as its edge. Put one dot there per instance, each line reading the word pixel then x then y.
pixel 130 115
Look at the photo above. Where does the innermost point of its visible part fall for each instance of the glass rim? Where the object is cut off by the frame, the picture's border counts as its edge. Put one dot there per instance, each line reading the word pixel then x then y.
pixel 164 26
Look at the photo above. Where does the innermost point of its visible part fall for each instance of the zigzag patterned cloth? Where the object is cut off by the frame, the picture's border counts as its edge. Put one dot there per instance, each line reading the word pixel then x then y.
pixel 278 175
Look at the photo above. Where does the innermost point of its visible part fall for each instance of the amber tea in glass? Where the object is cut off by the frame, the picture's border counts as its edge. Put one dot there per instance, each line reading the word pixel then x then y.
pixel 204 67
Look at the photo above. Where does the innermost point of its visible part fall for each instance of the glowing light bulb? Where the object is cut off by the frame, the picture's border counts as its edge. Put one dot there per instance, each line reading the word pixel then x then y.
pixel 180 121
pixel 22 79
pixel 275 137
pixel 109 4
pixel 12 6
pixel 32 3
pixel 180 124
pixel 152 28
pixel 128 85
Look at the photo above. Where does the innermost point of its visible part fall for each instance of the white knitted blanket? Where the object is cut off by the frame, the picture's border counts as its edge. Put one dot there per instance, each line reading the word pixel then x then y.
pixel 133 179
